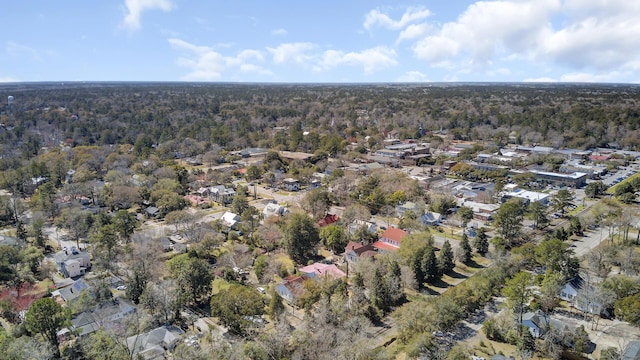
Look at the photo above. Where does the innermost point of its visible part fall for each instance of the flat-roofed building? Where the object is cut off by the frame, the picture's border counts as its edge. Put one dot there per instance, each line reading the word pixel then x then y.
pixel 528 196
pixel 575 179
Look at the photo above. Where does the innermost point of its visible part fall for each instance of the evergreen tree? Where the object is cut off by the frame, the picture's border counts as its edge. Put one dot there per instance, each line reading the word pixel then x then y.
pixel 430 266
pixel 393 284
pixel 379 291
pixel 445 258
pixel 276 305
pixel 481 242
pixel 464 256
pixel 416 263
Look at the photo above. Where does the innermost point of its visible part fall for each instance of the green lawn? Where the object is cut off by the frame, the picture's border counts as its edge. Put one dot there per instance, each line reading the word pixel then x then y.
pixel 219 285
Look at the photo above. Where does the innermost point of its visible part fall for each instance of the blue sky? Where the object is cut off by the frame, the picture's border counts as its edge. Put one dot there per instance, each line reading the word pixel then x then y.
pixel 321 41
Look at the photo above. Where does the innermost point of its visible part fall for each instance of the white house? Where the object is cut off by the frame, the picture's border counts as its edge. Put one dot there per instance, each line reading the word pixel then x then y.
pixel 230 219
pixel 569 291
pixel 73 263
pixel 536 322
pixel 272 209
pixel 73 268
pixel 291 184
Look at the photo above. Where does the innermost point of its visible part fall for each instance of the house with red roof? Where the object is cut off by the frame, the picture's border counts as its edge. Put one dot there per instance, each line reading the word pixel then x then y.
pixel 328 220
pixel 390 240
pixel 292 288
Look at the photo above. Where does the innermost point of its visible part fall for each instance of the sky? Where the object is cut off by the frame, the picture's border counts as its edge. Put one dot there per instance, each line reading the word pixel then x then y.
pixel 328 41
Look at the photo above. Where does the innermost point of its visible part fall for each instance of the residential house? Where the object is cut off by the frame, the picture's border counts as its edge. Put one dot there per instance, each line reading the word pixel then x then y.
pixel 204 191
pixel 354 251
pixel 569 291
pixel 70 293
pixel 73 263
pixel 153 344
pixel 357 224
pixel 291 184
pixel 152 211
pixel 230 219
pixel 272 209
pixel 103 315
pixel 536 322
pixel 84 324
pixel 431 218
pixel 221 194
pixel 115 311
pixel 407 206
pixel 196 200
pixel 390 240
pixel 581 295
pixel 315 184
pixel 322 271
pixel 328 220
pixel 292 288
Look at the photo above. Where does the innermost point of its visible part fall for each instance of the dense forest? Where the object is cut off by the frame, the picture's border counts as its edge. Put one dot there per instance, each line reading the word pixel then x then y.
pixel 235 116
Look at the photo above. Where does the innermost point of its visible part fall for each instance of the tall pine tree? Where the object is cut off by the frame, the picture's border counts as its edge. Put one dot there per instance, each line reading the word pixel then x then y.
pixel 430 266
pixel 445 258
pixel 464 255
pixel 481 242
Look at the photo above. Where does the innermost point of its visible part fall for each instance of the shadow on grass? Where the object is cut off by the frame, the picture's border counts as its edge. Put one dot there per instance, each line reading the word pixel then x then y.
pixel 473 264
pixel 428 291
pixel 441 284
pixel 457 275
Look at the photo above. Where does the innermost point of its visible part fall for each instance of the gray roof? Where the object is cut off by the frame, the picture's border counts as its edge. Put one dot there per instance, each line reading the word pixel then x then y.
pixel 74 291
pixel 84 324
pixel 632 352
pixel 537 318
pixel 8 240
pixel 155 341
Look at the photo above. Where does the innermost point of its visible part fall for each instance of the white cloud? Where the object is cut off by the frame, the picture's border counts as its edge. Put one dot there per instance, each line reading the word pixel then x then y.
pixel 279 32
pixel 16 50
pixel 602 43
pixel 413 31
pixel 135 8
pixel 370 59
pixel 596 40
pixel 413 76
pixel 377 17
pixel 488 28
pixel 588 77
pixel 207 64
pixel 499 71
pixel 4 79
pixel 299 53
pixel 540 80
